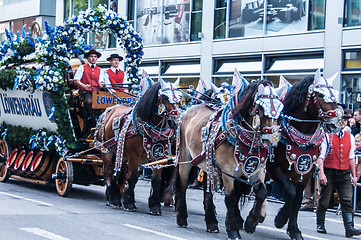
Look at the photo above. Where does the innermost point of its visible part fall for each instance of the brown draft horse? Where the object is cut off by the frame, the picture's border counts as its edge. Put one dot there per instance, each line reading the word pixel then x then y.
pixel 254 121
pixel 151 119
pixel 309 104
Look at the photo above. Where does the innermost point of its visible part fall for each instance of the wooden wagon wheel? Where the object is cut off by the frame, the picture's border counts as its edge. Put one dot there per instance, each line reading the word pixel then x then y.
pixel 4 152
pixel 64 179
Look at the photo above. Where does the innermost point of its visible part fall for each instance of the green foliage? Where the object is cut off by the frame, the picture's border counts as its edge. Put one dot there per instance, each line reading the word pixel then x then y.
pixel 25 48
pixel 7 77
pixel 17 136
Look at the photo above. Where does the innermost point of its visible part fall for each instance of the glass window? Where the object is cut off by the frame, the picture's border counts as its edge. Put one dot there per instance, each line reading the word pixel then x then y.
pixel 352 13
pixel 175 69
pixel 246 18
pixel 228 79
pixel 152 70
pixel 176 21
pixel 296 64
pixel 196 21
pixel 286 16
pixel 66 9
pixel 244 66
pixel 102 2
pixel 290 78
pixel 351 91
pixel 2 32
pixel 352 60
pixel 316 18
pixel 219 23
pixel 149 21
pixel 79 5
pixel 17 26
pixel 221 3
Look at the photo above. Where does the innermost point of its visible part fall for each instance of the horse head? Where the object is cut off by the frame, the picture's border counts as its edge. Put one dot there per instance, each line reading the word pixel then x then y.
pixel 169 99
pixel 261 107
pixel 325 99
pixel 221 93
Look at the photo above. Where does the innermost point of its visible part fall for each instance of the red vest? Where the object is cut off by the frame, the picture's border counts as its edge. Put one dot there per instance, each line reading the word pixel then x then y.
pixel 90 76
pixel 116 78
pixel 339 157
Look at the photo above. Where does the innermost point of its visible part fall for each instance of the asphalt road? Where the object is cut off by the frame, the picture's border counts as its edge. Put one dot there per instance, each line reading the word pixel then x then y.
pixel 36 212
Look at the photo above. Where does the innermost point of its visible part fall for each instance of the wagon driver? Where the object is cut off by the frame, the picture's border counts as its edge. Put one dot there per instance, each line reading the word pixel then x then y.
pixel 114 77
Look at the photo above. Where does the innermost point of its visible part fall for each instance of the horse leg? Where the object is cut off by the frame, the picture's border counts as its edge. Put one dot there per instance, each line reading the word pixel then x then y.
pixel 239 189
pixel 255 213
pixel 232 225
pixel 292 230
pixel 182 182
pixel 209 209
pixel 155 193
pixel 129 200
pixel 112 191
pixel 289 192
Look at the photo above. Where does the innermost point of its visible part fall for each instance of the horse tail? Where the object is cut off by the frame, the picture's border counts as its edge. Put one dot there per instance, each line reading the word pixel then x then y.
pixel 171 188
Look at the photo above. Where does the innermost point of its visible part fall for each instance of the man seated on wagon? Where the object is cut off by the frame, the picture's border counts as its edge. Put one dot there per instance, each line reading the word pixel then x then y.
pixel 87 80
pixel 114 77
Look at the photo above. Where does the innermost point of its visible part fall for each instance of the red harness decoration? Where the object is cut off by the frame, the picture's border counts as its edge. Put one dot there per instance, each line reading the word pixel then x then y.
pixel 302 150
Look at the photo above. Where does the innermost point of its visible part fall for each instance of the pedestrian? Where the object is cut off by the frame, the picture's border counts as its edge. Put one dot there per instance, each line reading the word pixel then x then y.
pixel 114 77
pixel 336 162
pixel 346 117
pixel 355 129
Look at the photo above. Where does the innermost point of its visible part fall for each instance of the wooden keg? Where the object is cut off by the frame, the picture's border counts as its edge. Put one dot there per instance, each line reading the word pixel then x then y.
pixel 12 158
pixel 74 64
pixel 42 167
pixel 19 162
pixel 25 168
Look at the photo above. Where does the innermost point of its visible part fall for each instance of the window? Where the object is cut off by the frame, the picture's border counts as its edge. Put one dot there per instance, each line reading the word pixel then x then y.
pixel 182 68
pixel 351 90
pixel 79 5
pixel 151 69
pixel 352 13
pixel 316 18
pixel 300 63
pixel 17 26
pixel 352 60
pixel 2 32
pixel 275 79
pixel 196 21
pixel 220 19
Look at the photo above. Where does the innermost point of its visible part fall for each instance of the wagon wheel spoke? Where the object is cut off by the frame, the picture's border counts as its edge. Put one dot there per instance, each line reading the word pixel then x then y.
pixel 64 177
pixel 4 154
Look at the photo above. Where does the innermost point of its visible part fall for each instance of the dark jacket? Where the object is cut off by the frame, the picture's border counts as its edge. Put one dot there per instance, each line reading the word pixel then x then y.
pixel 355 129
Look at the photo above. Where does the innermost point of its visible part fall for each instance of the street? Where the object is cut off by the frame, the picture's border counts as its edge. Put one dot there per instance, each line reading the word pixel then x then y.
pixel 30 211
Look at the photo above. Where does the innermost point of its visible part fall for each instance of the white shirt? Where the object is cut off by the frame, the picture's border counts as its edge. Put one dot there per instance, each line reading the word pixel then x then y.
pixel 79 73
pixel 106 80
pixel 324 146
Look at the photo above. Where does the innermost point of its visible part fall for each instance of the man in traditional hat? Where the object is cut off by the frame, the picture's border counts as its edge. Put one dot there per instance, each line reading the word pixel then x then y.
pixel 337 163
pixel 87 79
pixel 114 77
pixel 87 76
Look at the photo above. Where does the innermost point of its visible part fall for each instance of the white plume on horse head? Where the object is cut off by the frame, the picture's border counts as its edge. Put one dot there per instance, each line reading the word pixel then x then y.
pixel 170 91
pixel 267 97
pixel 238 82
pixel 145 83
pixel 324 86
pixel 215 88
pixel 283 87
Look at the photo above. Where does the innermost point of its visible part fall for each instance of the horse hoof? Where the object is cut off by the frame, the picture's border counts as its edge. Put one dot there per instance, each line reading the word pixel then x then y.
pixel 280 220
pixel 155 213
pixel 295 235
pixel 250 225
pixel 182 223
pixel 108 204
pixel 212 228
pixel 234 235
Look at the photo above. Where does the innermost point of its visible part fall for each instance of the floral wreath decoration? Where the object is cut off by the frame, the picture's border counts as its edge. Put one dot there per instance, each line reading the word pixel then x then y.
pixel 52 52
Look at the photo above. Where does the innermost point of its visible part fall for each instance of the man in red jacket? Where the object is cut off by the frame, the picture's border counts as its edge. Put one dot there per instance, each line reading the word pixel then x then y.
pixel 114 77
pixel 336 163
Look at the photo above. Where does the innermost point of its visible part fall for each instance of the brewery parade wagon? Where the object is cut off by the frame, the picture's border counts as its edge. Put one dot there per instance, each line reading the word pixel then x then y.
pixel 46 128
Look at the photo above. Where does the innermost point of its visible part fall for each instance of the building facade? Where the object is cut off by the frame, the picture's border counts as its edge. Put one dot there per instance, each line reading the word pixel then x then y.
pixel 263 39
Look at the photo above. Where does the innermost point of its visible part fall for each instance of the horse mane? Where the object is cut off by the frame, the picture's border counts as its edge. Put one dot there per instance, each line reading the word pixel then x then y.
pixel 146 107
pixel 246 101
pixel 297 96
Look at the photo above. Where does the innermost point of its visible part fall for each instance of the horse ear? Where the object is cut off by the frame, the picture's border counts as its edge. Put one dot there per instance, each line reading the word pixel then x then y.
pixel 176 83
pixel 214 87
pixel 162 83
pixel 317 76
pixel 282 91
pixel 261 89
pixel 332 79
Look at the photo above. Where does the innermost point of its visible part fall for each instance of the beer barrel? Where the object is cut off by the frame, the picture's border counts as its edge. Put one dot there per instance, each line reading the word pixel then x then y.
pixel 42 167
pixel 11 160
pixel 25 168
pixel 19 161
pixel 74 64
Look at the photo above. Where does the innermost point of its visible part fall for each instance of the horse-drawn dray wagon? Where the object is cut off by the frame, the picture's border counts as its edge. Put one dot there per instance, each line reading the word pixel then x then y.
pixel 46 134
